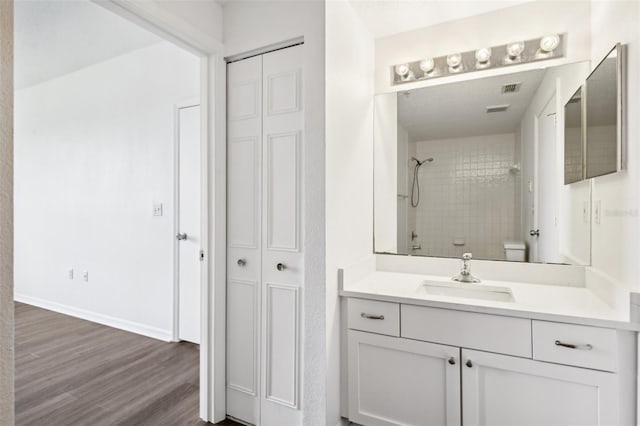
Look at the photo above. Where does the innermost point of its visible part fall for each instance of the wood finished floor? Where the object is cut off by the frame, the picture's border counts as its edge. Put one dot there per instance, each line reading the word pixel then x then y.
pixel 75 372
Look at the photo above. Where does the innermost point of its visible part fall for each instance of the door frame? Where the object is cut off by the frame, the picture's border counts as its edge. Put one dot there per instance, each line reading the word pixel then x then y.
pixel 213 190
pixel 190 103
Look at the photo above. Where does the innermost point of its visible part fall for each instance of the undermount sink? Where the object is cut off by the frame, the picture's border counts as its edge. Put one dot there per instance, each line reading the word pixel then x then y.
pixel 467 290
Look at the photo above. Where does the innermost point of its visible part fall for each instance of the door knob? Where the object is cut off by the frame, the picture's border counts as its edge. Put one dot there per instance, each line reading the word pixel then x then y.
pixel 452 361
pixel 242 262
pixel 534 232
pixel 280 267
pixel 469 363
pixel 181 236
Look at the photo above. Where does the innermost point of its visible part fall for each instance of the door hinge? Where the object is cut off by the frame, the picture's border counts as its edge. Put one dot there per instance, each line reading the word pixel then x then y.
pixel 201 255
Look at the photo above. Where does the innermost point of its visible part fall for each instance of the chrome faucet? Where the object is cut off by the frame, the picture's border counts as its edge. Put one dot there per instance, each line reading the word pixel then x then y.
pixel 465 273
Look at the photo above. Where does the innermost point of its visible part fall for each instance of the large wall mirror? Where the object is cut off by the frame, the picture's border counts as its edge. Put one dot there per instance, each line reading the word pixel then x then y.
pixel 477 166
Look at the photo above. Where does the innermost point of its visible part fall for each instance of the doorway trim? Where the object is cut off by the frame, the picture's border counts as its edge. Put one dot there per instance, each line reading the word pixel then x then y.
pixel 213 190
pixel 195 102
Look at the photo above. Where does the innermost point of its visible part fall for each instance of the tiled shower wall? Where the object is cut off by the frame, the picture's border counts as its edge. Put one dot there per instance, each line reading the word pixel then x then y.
pixel 469 196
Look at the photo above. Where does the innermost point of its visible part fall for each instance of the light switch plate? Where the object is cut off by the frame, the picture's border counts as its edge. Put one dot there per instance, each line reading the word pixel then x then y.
pixel 157 209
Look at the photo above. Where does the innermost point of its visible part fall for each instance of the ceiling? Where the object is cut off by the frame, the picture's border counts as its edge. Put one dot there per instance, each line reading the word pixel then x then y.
pixel 458 110
pixel 387 17
pixel 56 37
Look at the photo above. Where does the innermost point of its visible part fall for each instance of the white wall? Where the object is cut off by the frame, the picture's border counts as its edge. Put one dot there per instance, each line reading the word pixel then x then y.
pixel 616 240
pixel 349 162
pixel 94 151
pixel 468 183
pixel 250 25
pixel 6 214
pixel 521 22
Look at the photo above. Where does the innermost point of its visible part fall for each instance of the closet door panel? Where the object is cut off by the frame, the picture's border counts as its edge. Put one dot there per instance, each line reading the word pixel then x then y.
pixel 244 238
pixel 282 259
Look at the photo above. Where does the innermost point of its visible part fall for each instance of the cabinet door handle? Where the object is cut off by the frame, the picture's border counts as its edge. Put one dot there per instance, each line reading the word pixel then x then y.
pixel 242 262
pixel 586 347
pixel 281 267
pixel 469 363
pixel 452 361
pixel 371 316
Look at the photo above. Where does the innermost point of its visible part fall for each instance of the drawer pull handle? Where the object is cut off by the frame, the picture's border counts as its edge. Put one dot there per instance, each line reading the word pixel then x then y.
pixel 372 316
pixel 452 361
pixel 586 347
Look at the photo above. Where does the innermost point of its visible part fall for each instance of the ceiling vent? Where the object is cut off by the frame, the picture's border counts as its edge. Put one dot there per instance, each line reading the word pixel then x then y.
pixel 511 88
pixel 497 108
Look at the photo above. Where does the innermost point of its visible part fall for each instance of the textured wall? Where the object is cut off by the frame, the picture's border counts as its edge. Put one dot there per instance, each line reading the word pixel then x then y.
pixel 6 212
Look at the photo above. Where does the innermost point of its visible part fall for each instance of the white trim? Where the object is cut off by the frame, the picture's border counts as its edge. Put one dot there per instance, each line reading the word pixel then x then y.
pixel 131 326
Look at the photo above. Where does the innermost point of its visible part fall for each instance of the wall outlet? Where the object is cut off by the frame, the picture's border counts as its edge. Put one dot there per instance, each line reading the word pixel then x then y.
pixel 70 273
pixel 157 209
pixel 85 276
pixel 597 212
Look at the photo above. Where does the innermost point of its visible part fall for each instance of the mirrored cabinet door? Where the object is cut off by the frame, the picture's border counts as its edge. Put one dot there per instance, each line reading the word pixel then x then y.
pixel 604 136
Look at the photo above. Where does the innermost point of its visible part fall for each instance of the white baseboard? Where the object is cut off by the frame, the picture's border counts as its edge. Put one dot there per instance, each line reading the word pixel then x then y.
pixel 121 324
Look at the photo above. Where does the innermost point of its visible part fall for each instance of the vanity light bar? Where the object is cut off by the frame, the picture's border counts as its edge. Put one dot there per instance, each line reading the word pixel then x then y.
pixel 515 53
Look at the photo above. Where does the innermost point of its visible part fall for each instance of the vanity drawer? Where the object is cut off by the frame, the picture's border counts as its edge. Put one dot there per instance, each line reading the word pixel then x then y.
pixel 491 333
pixel 578 345
pixel 374 316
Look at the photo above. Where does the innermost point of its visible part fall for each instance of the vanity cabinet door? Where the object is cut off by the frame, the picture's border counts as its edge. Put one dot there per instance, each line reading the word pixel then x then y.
pixel 505 390
pixel 395 381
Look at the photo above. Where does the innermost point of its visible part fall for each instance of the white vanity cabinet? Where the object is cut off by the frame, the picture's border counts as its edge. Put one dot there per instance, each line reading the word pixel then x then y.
pixel 417 365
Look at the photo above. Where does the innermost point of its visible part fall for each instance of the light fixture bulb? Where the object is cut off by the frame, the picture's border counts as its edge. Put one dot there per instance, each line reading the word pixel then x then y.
pixel 454 60
pixel 549 42
pixel 402 69
pixel 514 50
pixel 427 65
pixel 483 55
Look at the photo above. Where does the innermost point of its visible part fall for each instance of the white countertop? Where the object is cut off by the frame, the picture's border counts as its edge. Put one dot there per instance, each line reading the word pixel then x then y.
pixel 577 305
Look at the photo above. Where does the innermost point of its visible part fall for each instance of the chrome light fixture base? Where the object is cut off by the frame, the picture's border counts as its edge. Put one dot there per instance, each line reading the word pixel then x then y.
pixel 514 53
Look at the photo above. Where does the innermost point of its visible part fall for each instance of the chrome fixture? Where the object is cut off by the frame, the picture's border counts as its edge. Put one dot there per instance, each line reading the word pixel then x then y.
pixel 483 58
pixel 455 63
pixel 514 52
pixel 465 273
pixel 415 186
pixel 428 66
pixel 586 347
pixel 550 46
pixel 404 72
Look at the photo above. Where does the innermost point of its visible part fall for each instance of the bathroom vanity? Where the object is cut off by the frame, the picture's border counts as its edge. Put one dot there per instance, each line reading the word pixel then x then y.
pixel 545 354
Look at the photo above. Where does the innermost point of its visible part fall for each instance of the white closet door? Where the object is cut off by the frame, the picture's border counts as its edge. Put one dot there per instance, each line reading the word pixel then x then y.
pixel 244 240
pixel 282 260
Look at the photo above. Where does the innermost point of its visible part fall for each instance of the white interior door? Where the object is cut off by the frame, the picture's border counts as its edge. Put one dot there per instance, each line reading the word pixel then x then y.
pixel 244 238
pixel 189 243
pixel 546 210
pixel 282 259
